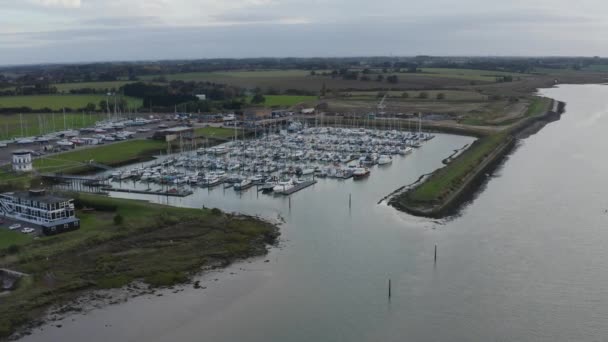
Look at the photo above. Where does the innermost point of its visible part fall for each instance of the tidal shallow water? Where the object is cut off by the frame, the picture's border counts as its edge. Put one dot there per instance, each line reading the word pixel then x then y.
pixel 526 260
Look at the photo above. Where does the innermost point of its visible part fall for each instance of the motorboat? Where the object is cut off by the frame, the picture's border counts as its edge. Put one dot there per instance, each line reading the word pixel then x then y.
pixel 384 160
pixel 360 173
pixel 283 186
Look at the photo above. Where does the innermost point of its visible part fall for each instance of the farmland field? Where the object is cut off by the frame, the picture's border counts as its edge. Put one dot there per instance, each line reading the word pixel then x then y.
pixel 286 100
pixel 302 80
pixel 450 95
pixel 14 125
pixel 469 74
pixel 57 102
pixel 204 76
pixel 66 87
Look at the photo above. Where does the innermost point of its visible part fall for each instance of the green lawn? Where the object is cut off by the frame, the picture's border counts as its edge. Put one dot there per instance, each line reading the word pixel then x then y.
pixel 215 132
pixel 57 102
pixel 112 154
pixel 10 180
pixel 286 100
pixel 15 125
pixel 10 237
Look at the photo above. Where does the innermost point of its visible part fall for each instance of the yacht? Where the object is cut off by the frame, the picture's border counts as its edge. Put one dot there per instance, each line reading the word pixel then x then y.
pixel 283 186
pixel 384 160
pixel 243 185
pixel 360 173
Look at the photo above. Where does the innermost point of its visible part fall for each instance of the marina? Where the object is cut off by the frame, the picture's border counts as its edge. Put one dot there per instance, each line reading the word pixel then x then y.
pixel 282 163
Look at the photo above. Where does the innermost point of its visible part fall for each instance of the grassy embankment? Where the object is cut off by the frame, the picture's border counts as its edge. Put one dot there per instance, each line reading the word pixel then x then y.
pixel 57 102
pixel 156 244
pixel 431 195
pixel 112 155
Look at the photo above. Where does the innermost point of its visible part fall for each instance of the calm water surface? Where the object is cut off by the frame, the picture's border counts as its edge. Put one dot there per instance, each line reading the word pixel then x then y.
pixel 525 261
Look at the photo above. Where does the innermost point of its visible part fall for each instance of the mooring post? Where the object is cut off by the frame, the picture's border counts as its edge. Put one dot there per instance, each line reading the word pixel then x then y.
pixel 389 287
pixel 289 202
pixel 435 253
pixel 349 201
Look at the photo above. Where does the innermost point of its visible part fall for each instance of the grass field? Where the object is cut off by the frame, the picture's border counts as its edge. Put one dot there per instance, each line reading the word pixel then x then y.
pixel 160 245
pixel 66 87
pixel 57 102
pixel 413 95
pixel 12 181
pixel 112 154
pixel 204 76
pixel 286 100
pixel 215 132
pixel 9 237
pixel 469 74
pixel 40 124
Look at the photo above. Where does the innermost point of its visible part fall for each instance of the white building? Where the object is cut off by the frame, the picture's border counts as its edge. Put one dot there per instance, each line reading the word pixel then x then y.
pixel 22 161
pixel 201 97
pixel 53 213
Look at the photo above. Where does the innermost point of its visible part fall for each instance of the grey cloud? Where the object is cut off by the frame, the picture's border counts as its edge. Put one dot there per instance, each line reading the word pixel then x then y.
pixel 123 21
pixel 356 30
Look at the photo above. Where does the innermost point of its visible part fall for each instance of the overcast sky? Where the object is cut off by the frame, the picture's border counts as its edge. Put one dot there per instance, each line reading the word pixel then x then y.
pixel 33 31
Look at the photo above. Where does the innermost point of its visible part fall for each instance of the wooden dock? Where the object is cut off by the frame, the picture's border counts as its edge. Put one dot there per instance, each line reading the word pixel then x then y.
pixel 297 188
pixel 178 193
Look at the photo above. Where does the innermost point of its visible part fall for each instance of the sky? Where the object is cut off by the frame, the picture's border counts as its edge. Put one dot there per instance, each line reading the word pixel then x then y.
pixel 61 31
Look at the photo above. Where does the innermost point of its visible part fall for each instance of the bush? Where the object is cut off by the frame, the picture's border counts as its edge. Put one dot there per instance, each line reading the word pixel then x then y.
pixel 13 249
pixel 118 219
pixel 216 212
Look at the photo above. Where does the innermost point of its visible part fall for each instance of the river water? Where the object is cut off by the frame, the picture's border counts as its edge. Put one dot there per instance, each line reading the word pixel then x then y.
pixel 525 260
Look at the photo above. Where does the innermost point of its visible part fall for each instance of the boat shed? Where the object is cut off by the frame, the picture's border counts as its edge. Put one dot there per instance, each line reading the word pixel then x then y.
pixel 174 133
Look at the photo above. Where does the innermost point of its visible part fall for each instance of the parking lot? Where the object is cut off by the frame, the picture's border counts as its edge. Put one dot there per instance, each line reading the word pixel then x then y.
pixel 10 224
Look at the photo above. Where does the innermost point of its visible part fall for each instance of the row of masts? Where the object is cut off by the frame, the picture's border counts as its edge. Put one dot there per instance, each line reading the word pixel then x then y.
pixel 46 126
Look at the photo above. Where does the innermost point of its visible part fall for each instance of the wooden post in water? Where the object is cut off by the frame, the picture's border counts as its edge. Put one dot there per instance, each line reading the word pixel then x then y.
pixel 349 201
pixel 389 288
pixel 289 202
pixel 435 253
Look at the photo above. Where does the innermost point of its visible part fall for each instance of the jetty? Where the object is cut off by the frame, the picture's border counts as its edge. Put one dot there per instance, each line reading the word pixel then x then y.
pixel 173 193
pixel 297 187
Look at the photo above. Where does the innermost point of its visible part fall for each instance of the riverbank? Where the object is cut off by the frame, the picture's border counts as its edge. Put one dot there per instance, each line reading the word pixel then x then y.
pixel 122 241
pixel 443 192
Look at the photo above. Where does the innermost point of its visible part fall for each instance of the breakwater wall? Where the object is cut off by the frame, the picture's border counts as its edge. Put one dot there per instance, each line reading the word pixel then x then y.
pixel 474 180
